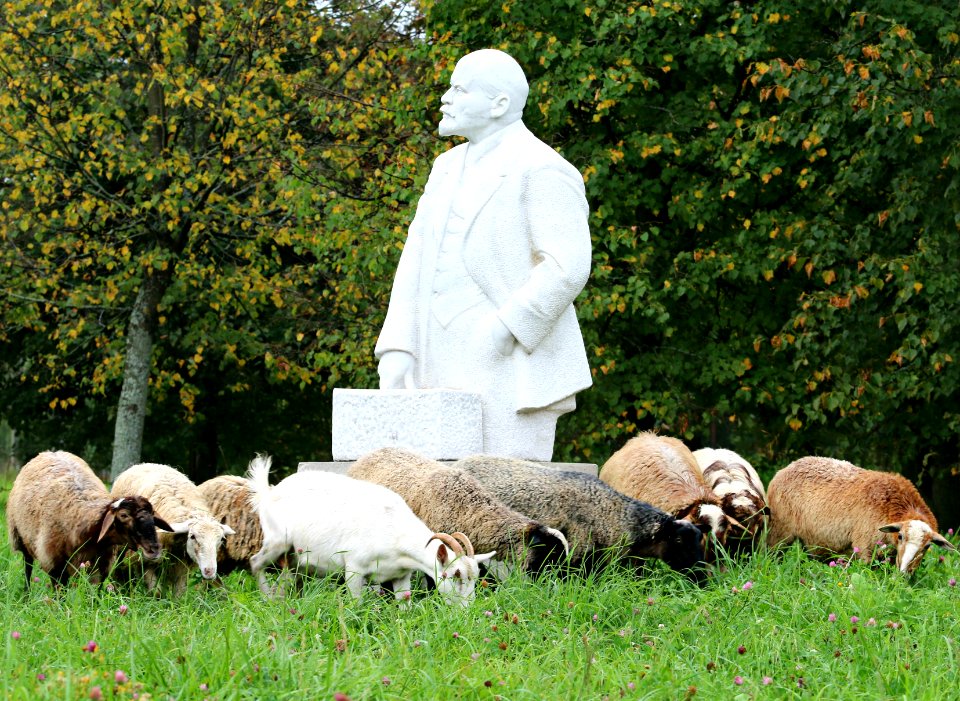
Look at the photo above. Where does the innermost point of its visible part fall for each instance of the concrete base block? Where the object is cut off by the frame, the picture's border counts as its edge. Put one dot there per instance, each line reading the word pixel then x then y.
pixel 344 465
pixel 442 424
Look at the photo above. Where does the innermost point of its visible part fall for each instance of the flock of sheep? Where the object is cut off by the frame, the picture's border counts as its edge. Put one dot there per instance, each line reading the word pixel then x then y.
pixel 396 513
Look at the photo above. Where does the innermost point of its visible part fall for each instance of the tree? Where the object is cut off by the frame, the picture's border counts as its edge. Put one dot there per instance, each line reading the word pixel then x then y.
pixel 165 167
pixel 774 193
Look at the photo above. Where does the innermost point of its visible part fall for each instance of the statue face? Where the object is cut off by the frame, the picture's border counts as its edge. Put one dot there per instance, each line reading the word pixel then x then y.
pixel 466 109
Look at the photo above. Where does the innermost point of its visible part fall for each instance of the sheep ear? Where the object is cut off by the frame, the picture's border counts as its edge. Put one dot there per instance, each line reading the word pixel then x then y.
pixel 943 542
pixel 890 528
pixel 179 526
pixel 161 525
pixel 485 557
pixel 227 530
pixel 443 554
pixel 107 521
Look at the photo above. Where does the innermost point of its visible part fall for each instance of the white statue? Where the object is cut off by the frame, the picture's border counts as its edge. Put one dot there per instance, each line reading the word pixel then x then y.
pixel 498 250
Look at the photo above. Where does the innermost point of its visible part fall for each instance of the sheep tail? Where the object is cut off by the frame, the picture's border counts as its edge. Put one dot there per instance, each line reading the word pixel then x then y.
pixel 258 477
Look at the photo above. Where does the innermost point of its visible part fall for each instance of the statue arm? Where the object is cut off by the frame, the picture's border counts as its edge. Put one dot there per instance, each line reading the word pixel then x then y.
pixel 556 217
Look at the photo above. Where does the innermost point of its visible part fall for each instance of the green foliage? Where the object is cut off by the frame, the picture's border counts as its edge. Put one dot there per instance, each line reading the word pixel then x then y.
pixel 207 143
pixel 774 192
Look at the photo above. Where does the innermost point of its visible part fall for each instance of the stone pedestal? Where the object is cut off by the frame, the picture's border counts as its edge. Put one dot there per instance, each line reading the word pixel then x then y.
pixel 437 423
pixel 341 467
pixel 444 425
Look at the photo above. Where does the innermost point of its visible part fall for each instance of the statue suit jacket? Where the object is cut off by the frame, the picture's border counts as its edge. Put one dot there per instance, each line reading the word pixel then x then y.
pixel 527 246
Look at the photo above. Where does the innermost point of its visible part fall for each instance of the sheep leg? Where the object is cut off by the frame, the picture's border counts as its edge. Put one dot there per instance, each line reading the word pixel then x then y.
pixel 269 552
pixel 355 584
pixel 151 579
pixel 401 589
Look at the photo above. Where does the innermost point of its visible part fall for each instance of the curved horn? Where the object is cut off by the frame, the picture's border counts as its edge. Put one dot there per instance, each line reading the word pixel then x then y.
pixel 462 537
pixel 449 541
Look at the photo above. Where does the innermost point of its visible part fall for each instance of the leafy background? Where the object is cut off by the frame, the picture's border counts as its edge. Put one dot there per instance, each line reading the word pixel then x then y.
pixel 773 188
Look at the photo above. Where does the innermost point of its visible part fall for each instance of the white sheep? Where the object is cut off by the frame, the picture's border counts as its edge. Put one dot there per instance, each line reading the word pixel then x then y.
pixel 740 491
pixel 197 534
pixel 60 514
pixel 334 523
pixel 662 471
pixel 835 507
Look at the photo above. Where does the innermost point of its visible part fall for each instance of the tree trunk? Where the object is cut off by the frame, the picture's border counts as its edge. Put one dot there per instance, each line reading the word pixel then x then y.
pixel 132 407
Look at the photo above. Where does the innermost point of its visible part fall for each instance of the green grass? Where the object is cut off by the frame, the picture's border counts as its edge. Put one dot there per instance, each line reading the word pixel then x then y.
pixel 609 636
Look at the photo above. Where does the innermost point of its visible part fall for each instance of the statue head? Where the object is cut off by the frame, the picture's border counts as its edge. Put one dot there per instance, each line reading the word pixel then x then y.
pixel 487 92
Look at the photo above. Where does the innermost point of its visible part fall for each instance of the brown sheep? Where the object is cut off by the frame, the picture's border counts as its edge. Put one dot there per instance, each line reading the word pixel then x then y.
pixel 228 497
pixel 835 507
pixel 448 499
pixel 60 515
pixel 197 534
pixel 663 472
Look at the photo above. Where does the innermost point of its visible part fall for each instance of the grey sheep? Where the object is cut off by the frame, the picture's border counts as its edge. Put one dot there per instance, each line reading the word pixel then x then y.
pixel 196 533
pixel 597 520
pixel 60 515
pixel 448 499
pixel 833 506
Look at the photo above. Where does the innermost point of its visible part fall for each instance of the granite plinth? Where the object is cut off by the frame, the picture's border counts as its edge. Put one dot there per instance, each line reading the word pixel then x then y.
pixel 441 424
pixel 341 466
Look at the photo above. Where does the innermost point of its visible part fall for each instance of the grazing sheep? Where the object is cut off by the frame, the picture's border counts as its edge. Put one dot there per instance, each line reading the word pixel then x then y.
pixel 448 499
pixel 333 523
pixel 228 498
pixel 60 514
pixel 177 500
pixel 740 491
pixel 597 520
pixel 833 506
pixel 662 471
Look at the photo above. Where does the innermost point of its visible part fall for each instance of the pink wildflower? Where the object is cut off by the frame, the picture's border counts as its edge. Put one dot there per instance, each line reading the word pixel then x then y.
pixel 832 617
pixel 120 677
pixel 41 677
pixel 90 647
pixel 738 680
pixel 15 635
pixel 96 693
pixel 767 681
pixel 872 622
pixel 747 586
pixel 854 619
pixel 123 609
pixel 952 582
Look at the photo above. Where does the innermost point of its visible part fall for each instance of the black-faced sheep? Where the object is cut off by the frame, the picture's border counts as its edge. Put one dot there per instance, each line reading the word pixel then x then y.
pixel 60 515
pixel 448 499
pixel 597 520
pixel 334 523
pixel 197 534
pixel 662 471
pixel 740 491
pixel 833 506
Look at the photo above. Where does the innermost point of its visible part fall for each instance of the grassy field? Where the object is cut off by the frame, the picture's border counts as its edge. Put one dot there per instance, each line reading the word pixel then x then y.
pixel 769 627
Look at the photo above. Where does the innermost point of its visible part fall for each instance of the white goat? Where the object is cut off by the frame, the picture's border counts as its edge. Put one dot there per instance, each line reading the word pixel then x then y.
pixel 335 523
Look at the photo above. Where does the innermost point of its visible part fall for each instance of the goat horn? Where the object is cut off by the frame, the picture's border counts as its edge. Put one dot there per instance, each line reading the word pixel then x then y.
pixel 449 541
pixel 462 537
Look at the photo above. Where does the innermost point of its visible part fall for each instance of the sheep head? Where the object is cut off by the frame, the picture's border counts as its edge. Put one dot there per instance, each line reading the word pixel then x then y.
pixel 912 540
pixel 131 520
pixel 204 536
pixel 458 566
